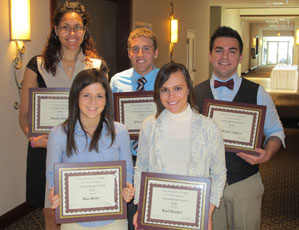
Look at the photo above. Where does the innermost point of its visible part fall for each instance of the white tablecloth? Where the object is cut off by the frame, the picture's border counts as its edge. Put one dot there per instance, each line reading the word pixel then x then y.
pixel 284 77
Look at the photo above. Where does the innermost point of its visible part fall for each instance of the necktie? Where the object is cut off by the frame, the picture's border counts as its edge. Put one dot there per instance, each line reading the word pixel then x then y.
pixel 229 84
pixel 141 81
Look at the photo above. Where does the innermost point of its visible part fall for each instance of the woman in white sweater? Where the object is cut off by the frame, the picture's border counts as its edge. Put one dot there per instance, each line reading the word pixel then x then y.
pixel 177 139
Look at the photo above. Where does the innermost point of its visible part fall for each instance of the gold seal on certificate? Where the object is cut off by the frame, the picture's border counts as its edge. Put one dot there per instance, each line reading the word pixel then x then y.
pixel 173 202
pixel 90 191
pixel 48 107
pixel 131 108
pixel 241 124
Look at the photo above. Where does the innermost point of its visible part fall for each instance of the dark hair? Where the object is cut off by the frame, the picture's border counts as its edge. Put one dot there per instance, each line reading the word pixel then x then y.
pixel 82 80
pixel 163 75
pixel 224 31
pixel 142 32
pixel 51 53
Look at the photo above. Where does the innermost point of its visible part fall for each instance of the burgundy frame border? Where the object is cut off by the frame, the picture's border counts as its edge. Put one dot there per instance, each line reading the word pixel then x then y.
pixel 146 176
pixel 59 188
pixel 260 120
pixel 119 106
pixel 33 101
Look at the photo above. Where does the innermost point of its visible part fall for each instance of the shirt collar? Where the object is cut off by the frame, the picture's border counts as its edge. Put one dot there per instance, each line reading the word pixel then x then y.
pixel 147 76
pixel 78 129
pixel 235 77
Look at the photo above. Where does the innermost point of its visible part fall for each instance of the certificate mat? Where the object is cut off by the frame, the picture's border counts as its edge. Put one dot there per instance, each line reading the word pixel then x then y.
pixel 90 191
pixel 48 107
pixel 173 202
pixel 131 108
pixel 241 124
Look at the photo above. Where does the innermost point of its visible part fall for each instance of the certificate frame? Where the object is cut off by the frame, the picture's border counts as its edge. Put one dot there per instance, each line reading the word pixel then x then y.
pixel 78 175
pixel 42 116
pixel 131 108
pixel 174 190
pixel 247 136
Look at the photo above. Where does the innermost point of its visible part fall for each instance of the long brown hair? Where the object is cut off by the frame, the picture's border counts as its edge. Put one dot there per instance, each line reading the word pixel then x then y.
pixel 82 80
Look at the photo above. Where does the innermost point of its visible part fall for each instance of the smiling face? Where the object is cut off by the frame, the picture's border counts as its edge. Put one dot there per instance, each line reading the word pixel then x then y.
pixel 92 101
pixel 142 55
pixel 174 93
pixel 225 57
pixel 70 39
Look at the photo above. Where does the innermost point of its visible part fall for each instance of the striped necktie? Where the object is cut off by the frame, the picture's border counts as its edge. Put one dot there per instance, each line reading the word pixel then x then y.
pixel 141 81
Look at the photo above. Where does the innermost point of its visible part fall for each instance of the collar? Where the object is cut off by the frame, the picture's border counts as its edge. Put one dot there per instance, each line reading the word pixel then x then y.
pixel 235 77
pixel 184 115
pixel 78 129
pixel 147 76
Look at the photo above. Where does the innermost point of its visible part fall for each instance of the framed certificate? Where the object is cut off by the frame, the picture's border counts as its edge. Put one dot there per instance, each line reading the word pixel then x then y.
pixel 173 202
pixel 131 108
pixel 242 125
pixel 90 191
pixel 48 107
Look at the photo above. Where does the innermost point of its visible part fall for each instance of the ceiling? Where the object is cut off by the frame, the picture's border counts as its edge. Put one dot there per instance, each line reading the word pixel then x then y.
pixel 267 11
pixel 255 3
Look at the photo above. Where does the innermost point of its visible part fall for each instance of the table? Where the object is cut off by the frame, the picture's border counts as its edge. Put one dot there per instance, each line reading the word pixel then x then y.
pixel 284 77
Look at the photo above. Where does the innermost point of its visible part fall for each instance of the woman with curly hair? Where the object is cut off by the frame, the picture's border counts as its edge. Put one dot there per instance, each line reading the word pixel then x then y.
pixel 69 49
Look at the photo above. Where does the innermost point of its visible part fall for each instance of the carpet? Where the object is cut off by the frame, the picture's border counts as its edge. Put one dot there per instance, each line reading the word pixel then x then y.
pixel 280 207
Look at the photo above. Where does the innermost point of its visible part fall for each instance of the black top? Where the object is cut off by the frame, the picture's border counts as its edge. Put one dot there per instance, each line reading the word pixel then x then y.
pixel 237 168
pixel 32 64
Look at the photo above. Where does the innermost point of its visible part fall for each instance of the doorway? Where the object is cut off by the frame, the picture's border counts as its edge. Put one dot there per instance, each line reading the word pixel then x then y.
pixel 190 62
pixel 277 50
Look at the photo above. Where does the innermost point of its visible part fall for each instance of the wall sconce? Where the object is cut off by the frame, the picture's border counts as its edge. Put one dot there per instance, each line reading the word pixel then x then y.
pixel 19 32
pixel 174 25
pixel 278 34
pixel 297 37
pixel 173 29
pixel 253 42
pixel 20 20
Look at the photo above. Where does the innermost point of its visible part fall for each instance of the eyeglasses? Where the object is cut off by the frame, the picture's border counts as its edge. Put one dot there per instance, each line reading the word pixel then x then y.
pixel 146 49
pixel 68 29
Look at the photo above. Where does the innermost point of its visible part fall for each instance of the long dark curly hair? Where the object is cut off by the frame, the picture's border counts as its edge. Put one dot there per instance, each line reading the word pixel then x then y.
pixel 52 51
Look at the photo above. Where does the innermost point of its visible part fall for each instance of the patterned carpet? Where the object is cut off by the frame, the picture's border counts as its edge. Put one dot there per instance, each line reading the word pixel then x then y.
pixel 280 209
pixel 32 221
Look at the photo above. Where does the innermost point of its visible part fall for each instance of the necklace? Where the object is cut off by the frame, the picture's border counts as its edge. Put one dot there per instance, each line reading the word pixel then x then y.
pixel 69 68
pixel 89 132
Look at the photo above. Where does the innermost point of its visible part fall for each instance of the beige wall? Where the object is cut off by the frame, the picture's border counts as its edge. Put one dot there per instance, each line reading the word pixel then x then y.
pixel 13 143
pixel 231 18
pixel 296 47
pixel 246 46
pixel 192 14
pixel 215 23
pixel 256 31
